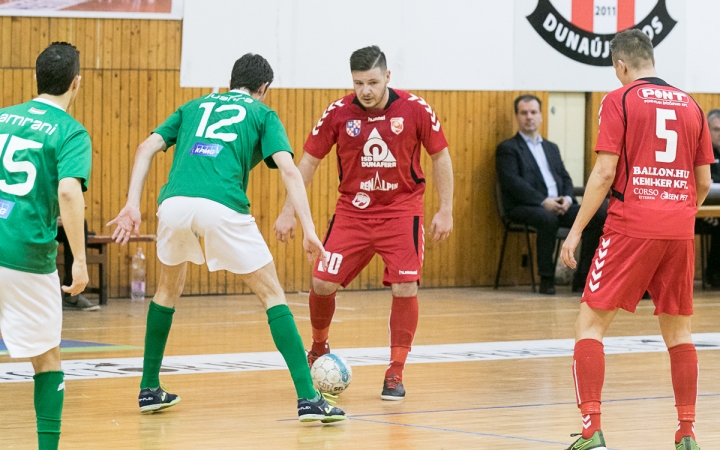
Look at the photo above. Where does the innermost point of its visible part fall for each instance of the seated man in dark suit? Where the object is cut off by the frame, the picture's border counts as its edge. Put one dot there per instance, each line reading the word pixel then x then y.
pixel 537 190
pixel 711 225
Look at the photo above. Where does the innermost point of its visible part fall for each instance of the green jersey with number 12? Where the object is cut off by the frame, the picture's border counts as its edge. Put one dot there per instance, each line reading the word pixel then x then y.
pixel 40 144
pixel 219 138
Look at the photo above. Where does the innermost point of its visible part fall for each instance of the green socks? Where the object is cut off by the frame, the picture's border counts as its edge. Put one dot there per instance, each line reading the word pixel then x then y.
pixel 159 321
pixel 49 396
pixel 288 342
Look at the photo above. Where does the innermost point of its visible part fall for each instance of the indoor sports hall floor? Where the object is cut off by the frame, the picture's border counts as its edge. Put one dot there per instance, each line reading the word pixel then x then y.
pixel 491 370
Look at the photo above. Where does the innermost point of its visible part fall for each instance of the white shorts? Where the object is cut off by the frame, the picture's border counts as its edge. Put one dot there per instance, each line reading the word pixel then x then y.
pixel 232 240
pixel 30 312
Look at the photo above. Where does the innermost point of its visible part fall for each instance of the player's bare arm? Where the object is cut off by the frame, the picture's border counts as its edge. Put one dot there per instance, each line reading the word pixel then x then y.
pixel 703 180
pixel 286 224
pixel 128 219
pixel 293 180
pixel 598 185
pixel 442 223
pixel 72 212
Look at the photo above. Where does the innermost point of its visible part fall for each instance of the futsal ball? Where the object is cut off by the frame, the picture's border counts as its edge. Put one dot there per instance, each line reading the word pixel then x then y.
pixel 331 374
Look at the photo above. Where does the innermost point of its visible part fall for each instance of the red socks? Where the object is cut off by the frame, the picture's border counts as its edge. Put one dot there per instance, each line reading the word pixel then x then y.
pixel 589 375
pixel 684 368
pixel 322 308
pixel 403 324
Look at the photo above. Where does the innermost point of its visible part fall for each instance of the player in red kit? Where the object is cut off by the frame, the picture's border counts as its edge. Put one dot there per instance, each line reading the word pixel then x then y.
pixel 654 151
pixel 378 132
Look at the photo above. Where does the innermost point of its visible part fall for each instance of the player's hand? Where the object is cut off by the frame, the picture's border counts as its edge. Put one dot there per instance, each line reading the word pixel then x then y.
pixel 128 223
pixel 80 278
pixel 552 205
pixel 567 255
pixel 314 249
pixel 285 227
pixel 441 226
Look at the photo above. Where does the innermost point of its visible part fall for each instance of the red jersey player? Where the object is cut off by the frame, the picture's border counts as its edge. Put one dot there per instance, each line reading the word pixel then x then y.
pixel 654 152
pixel 378 132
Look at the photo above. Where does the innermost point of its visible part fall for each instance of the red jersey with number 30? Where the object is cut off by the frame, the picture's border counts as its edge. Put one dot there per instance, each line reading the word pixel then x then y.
pixel 378 153
pixel 661 135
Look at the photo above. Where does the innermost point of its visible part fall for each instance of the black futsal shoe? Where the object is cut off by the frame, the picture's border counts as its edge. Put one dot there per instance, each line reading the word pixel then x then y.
pixel 320 409
pixel 152 400
pixel 393 388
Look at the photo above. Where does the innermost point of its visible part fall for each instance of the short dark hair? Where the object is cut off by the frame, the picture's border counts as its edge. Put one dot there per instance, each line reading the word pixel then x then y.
pixel 56 68
pixel 526 98
pixel 634 47
pixel 713 114
pixel 368 58
pixel 250 72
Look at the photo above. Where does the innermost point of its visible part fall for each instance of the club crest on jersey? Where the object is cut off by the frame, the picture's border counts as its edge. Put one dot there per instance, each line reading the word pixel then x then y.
pixel 201 149
pixel 396 124
pixel 361 200
pixel 584 32
pixel 353 127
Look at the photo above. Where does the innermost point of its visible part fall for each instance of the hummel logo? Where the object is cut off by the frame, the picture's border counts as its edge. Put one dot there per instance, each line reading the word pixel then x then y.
pixel 605 243
pixel 599 264
pixel 596 275
pixel 602 253
pixel 61 386
pixel 594 286
pixel 586 422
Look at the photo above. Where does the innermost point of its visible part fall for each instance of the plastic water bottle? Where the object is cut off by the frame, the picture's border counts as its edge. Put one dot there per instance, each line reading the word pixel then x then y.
pixel 137 280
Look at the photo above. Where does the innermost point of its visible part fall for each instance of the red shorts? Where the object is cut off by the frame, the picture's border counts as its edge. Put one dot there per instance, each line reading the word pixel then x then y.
pixel 625 267
pixel 351 243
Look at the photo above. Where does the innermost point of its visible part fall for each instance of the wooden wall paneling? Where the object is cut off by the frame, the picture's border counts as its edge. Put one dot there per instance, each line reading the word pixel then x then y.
pixel 6 51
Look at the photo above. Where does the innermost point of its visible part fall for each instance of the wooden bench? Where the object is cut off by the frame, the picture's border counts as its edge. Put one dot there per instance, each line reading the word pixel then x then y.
pixel 100 258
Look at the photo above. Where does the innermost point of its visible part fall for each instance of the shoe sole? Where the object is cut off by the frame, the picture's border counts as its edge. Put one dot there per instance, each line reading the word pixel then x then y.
pixel 322 418
pixel 152 408
pixel 392 397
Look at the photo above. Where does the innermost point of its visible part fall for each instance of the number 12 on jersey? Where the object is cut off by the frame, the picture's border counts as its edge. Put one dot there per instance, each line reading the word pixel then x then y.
pixel 211 132
pixel 671 137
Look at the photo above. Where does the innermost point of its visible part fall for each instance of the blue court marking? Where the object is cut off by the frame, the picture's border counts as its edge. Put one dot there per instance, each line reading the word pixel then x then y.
pixel 489 408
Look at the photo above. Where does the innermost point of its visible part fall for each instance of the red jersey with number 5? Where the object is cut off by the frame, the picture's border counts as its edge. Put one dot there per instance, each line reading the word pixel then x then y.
pixel 661 135
pixel 378 153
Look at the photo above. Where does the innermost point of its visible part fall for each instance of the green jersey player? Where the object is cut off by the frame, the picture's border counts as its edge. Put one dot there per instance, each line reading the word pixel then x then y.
pixel 45 164
pixel 218 139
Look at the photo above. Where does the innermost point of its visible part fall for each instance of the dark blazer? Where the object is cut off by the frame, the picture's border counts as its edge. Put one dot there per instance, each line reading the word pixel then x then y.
pixel 521 182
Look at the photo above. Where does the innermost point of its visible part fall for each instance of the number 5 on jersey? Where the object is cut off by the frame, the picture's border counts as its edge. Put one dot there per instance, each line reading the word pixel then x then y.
pixel 661 131
pixel 334 261
pixel 15 144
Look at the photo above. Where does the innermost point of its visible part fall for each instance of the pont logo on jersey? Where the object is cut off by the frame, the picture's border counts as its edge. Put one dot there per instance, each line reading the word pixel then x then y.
pixel 666 97
pixel 582 29
pixel 353 127
pixel 376 152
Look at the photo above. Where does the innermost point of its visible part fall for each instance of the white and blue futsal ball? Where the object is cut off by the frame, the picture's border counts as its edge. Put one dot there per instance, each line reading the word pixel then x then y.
pixel 331 374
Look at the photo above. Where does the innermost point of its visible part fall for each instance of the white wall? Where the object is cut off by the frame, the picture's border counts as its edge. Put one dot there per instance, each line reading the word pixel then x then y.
pixel 448 45
pixel 566 128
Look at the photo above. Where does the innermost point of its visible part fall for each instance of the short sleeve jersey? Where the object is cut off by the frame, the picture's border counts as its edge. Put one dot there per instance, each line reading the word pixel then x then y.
pixel 378 153
pixel 660 135
pixel 219 138
pixel 40 144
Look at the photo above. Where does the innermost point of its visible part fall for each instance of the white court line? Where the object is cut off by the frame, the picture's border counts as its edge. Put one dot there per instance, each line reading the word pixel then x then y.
pixel 344 308
pixel 87 369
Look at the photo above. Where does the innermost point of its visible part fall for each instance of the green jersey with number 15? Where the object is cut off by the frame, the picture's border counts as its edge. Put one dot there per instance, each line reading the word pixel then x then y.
pixel 219 138
pixel 40 144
